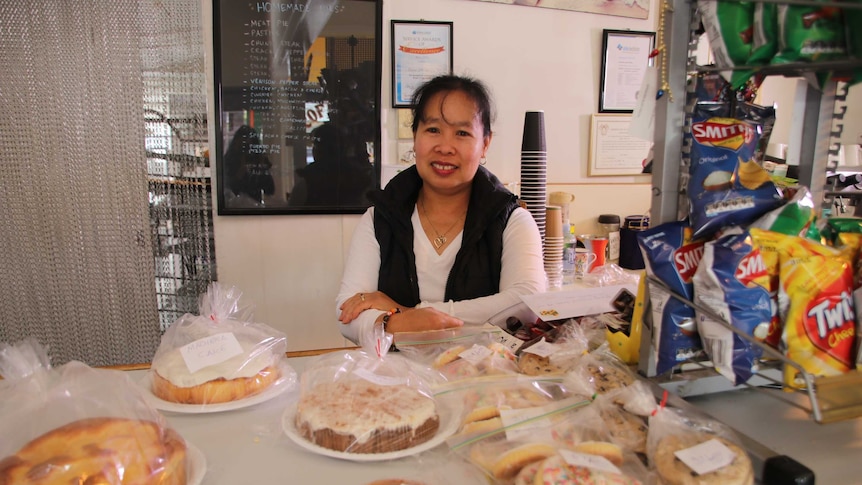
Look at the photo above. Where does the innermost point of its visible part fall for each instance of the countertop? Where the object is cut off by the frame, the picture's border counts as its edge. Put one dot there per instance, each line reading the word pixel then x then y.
pixel 249 445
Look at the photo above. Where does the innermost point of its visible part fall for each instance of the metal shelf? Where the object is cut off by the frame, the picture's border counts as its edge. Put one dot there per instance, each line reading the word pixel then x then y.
pixel 829 398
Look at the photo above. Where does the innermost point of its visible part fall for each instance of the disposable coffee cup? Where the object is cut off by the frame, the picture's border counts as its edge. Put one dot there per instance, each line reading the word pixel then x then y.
pixel 534 132
pixel 553 221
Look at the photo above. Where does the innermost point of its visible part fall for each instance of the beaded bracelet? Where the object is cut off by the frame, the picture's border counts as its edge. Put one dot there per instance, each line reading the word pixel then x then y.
pixel 388 315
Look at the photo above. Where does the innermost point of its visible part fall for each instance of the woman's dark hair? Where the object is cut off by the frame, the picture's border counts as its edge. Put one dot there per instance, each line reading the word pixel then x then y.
pixel 445 84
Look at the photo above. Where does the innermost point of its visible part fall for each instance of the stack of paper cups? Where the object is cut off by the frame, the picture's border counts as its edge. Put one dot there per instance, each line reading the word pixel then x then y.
pixel 553 245
pixel 534 159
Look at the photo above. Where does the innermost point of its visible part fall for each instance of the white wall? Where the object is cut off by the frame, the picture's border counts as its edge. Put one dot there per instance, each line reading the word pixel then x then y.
pixel 532 58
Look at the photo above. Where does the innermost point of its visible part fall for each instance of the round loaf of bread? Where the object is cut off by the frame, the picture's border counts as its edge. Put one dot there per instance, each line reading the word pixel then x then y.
pixel 215 391
pixel 359 416
pixel 100 450
pixel 238 377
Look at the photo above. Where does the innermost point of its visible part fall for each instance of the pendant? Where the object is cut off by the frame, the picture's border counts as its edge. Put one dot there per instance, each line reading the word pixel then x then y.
pixel 439 241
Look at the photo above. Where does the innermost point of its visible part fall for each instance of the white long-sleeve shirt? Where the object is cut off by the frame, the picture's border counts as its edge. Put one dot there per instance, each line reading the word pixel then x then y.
pixel 522 271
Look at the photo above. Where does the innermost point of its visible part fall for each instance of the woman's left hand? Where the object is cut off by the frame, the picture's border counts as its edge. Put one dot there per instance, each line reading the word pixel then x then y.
pixel 358 303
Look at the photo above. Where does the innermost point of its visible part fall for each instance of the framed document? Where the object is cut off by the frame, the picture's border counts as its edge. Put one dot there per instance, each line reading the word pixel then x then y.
pixel 297 106
pixel 625 58
pixel 613 151
pixel 421 50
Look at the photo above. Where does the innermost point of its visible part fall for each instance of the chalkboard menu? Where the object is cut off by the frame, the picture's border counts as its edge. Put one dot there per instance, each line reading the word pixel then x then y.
pixel 298 105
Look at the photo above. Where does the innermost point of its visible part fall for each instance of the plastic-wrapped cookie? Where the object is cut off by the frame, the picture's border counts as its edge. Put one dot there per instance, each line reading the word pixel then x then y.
pixel 536 365
pixel 607 378
pixel 674 471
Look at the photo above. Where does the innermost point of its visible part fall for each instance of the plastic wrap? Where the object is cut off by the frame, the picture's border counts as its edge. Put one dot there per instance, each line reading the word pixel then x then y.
pixel 97 421
pixel 364 403
pixel 681 444
pixel 570 343
pixel 565 436
pixel 220 356
pixel 485 400
pixel 460 353
pixel 600 372
pixel 609 275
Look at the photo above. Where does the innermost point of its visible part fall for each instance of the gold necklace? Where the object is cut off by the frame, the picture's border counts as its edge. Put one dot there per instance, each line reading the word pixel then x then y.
pixel 441 239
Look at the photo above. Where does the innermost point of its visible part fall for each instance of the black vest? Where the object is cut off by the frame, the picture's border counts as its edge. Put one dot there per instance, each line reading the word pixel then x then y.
pixel 476 271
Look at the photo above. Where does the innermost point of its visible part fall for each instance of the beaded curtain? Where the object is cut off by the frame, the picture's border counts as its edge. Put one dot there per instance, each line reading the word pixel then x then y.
pixel 77 239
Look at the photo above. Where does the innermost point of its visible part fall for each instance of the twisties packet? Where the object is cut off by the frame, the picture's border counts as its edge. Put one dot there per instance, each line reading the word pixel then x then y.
pixel 726 187
pixel 732 281
pixel 850 246
pixel 768 244
pixel 671 255
pixel 816 306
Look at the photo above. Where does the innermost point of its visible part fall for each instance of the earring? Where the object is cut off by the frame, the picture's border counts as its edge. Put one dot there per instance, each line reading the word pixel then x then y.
pixel 483 161
pixel 409 157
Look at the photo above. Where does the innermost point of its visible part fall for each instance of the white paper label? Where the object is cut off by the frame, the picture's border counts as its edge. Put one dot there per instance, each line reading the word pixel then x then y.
pixel 643 115
pixel 542 348
pixel 706 457
pixel 586 460
pixel 511 417
pixel 510 341
pixel 475 354
pixel 211 350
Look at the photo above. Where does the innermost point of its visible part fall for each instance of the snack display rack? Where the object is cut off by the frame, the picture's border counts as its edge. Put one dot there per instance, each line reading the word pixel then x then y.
pixel 813 146
pixel 829 398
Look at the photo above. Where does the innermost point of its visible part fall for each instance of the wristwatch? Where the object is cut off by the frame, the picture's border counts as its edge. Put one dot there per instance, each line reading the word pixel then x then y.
pixel 388 315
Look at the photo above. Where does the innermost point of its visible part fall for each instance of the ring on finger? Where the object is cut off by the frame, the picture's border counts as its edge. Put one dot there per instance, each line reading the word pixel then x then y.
pixel 362 297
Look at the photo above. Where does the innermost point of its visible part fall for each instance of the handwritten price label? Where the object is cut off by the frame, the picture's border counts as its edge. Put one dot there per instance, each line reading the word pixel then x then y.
pixel 211 350
pixel 706 457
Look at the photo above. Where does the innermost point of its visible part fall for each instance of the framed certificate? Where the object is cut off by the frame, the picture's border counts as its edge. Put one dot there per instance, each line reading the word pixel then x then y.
pixel 421 50
pixel 613 151
pixel 625 58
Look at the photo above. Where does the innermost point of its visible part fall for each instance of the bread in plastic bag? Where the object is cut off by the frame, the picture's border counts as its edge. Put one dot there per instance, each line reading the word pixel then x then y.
pixel 368 402
pixel 78 424
pixel 220 355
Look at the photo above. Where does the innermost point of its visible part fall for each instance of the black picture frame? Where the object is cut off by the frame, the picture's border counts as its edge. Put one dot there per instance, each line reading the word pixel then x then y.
pixel 297 106
pixel 625 59
pixel 419 52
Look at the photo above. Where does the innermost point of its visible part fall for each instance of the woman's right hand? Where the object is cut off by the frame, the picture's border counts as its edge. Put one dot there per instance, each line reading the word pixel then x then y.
pixel 421 319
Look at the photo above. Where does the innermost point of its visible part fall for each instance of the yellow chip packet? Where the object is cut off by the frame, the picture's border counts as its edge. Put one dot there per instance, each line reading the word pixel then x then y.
pixel 768 243
pixel 816 306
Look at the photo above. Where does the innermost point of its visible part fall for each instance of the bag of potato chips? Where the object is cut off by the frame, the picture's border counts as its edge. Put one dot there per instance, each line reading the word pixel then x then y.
pixel 732 281
pixel 816 305
pixel 671 255
pixel 727 185
pixel 768 243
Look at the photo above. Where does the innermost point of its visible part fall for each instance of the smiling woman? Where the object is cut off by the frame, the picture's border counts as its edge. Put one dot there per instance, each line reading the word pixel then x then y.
pixel 445 244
